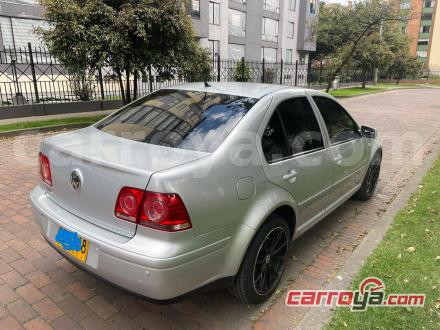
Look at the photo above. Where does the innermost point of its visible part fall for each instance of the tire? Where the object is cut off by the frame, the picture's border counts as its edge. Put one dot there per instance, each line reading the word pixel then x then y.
pixel 366 191
pixel 251 286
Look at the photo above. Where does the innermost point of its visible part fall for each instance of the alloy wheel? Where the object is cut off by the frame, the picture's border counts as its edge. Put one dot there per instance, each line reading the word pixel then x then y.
pixel 270 262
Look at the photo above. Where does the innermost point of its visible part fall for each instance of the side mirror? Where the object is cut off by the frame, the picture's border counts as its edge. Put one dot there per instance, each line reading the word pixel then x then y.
pixel 368 132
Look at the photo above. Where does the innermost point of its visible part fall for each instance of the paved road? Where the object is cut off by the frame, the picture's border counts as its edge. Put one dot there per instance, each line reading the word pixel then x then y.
pixel 38 289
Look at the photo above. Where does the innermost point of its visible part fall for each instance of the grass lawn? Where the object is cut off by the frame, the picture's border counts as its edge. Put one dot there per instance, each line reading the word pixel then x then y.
pixel 51 122
pixel 354 91
pixel 418 226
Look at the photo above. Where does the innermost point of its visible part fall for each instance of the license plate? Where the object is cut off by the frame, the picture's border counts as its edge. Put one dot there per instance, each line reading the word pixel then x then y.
pixel 72 244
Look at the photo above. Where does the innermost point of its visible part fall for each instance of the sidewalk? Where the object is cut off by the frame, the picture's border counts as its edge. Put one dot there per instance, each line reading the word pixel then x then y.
pixel 61 116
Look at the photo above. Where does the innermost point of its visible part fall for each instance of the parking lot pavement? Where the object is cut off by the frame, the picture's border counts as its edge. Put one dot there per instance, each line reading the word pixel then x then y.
pixel 39 289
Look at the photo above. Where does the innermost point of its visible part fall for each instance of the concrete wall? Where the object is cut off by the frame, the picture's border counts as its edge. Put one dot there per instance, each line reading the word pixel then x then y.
pixel 434 55
pixel 56 108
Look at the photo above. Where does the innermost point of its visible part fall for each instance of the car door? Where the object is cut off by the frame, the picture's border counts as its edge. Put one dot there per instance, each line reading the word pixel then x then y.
pixel 295 157
pixel 347 149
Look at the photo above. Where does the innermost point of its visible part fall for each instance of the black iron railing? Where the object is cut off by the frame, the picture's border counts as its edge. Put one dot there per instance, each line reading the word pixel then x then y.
pixel 32 75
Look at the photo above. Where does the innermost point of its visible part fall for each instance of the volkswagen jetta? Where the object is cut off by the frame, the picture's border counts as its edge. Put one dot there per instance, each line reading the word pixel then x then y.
pixel 202 184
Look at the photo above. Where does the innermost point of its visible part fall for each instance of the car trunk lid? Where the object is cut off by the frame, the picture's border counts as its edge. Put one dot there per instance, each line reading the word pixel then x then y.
pixel 105 163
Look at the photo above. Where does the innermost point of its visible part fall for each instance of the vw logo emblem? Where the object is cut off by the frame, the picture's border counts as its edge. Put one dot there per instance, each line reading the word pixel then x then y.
pixel 75 180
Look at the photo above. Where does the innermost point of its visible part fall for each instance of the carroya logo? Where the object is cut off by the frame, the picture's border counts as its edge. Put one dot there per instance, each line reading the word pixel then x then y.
pixel 371 293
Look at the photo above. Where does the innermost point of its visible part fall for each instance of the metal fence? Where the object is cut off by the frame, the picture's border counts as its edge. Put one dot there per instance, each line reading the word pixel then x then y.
pixel 432 72
pixel 33 75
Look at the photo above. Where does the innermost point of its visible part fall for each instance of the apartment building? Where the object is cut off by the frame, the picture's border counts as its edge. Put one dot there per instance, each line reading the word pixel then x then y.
pixel 256 29
pixel 424 30
pixel 253 29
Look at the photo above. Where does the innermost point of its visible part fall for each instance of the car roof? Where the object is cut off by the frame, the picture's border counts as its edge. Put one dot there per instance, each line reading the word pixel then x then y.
pixel 254 90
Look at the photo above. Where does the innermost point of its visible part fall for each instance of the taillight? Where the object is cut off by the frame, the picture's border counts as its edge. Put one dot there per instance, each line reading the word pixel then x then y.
pixel 161 211
pixel 127 205
pixel 45 174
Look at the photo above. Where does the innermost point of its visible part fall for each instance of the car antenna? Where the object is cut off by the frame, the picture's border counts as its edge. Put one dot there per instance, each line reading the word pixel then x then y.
pixel 206 84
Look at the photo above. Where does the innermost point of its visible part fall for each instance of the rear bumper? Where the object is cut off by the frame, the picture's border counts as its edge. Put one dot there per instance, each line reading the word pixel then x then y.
pixel 115 258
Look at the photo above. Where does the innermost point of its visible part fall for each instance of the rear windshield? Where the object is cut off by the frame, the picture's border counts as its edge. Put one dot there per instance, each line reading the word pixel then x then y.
pixel 190 120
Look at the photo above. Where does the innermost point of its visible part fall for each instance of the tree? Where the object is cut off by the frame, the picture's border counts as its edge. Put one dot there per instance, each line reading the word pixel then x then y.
pixel 372 52
pixel 242 72
pixel 128 36
pixel 402 64
pixel 405 66
pixel 341 29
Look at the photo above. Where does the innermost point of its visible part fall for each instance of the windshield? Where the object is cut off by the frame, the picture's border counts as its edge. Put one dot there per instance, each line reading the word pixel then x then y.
pixel 191 120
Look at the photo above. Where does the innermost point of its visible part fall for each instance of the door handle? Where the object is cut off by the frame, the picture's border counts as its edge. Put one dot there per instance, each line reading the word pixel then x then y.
pixel 290 176
pixel 338 159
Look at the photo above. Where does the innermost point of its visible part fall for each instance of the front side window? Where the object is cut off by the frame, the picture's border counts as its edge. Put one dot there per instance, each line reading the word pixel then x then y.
pixel 192 120
pixel 292 130
pixel 340 126
pixel 214 13
pixel 237 23
pixel 270 29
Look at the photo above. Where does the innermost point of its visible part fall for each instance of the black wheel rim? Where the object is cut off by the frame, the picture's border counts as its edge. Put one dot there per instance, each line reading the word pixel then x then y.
pixel 270 262
pixel 373 178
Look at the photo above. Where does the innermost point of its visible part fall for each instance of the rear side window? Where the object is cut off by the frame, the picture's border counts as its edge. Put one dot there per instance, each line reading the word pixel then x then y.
pixel 192 120
pixel 293 129
pixel 341 127
pixel 302 129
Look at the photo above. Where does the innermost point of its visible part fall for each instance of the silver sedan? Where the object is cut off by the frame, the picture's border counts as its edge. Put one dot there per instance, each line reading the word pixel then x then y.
pixel 202 186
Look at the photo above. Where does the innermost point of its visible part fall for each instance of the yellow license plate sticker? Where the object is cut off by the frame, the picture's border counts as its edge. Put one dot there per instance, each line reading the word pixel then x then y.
pixel 72 244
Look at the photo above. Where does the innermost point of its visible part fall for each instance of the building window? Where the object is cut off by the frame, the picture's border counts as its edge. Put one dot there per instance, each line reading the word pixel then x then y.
pixel 272 5
pixel 422 53
pixel 292 5
pixel 235 52
pixel 270 29
pixel 429 4
pixel 237 23
pixel 289 56
pixel 269 54
pixel 423 42
pixel 404 29
pixel 405 5
pixel 290 30
pixel 193 8
pixel 425 28
pixel 214 13
pixel 312 8
pixel 214 48
pixel 426 17
pixel 17 32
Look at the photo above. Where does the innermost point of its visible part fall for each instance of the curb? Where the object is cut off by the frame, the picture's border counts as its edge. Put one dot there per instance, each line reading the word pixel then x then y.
pixel 43 129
